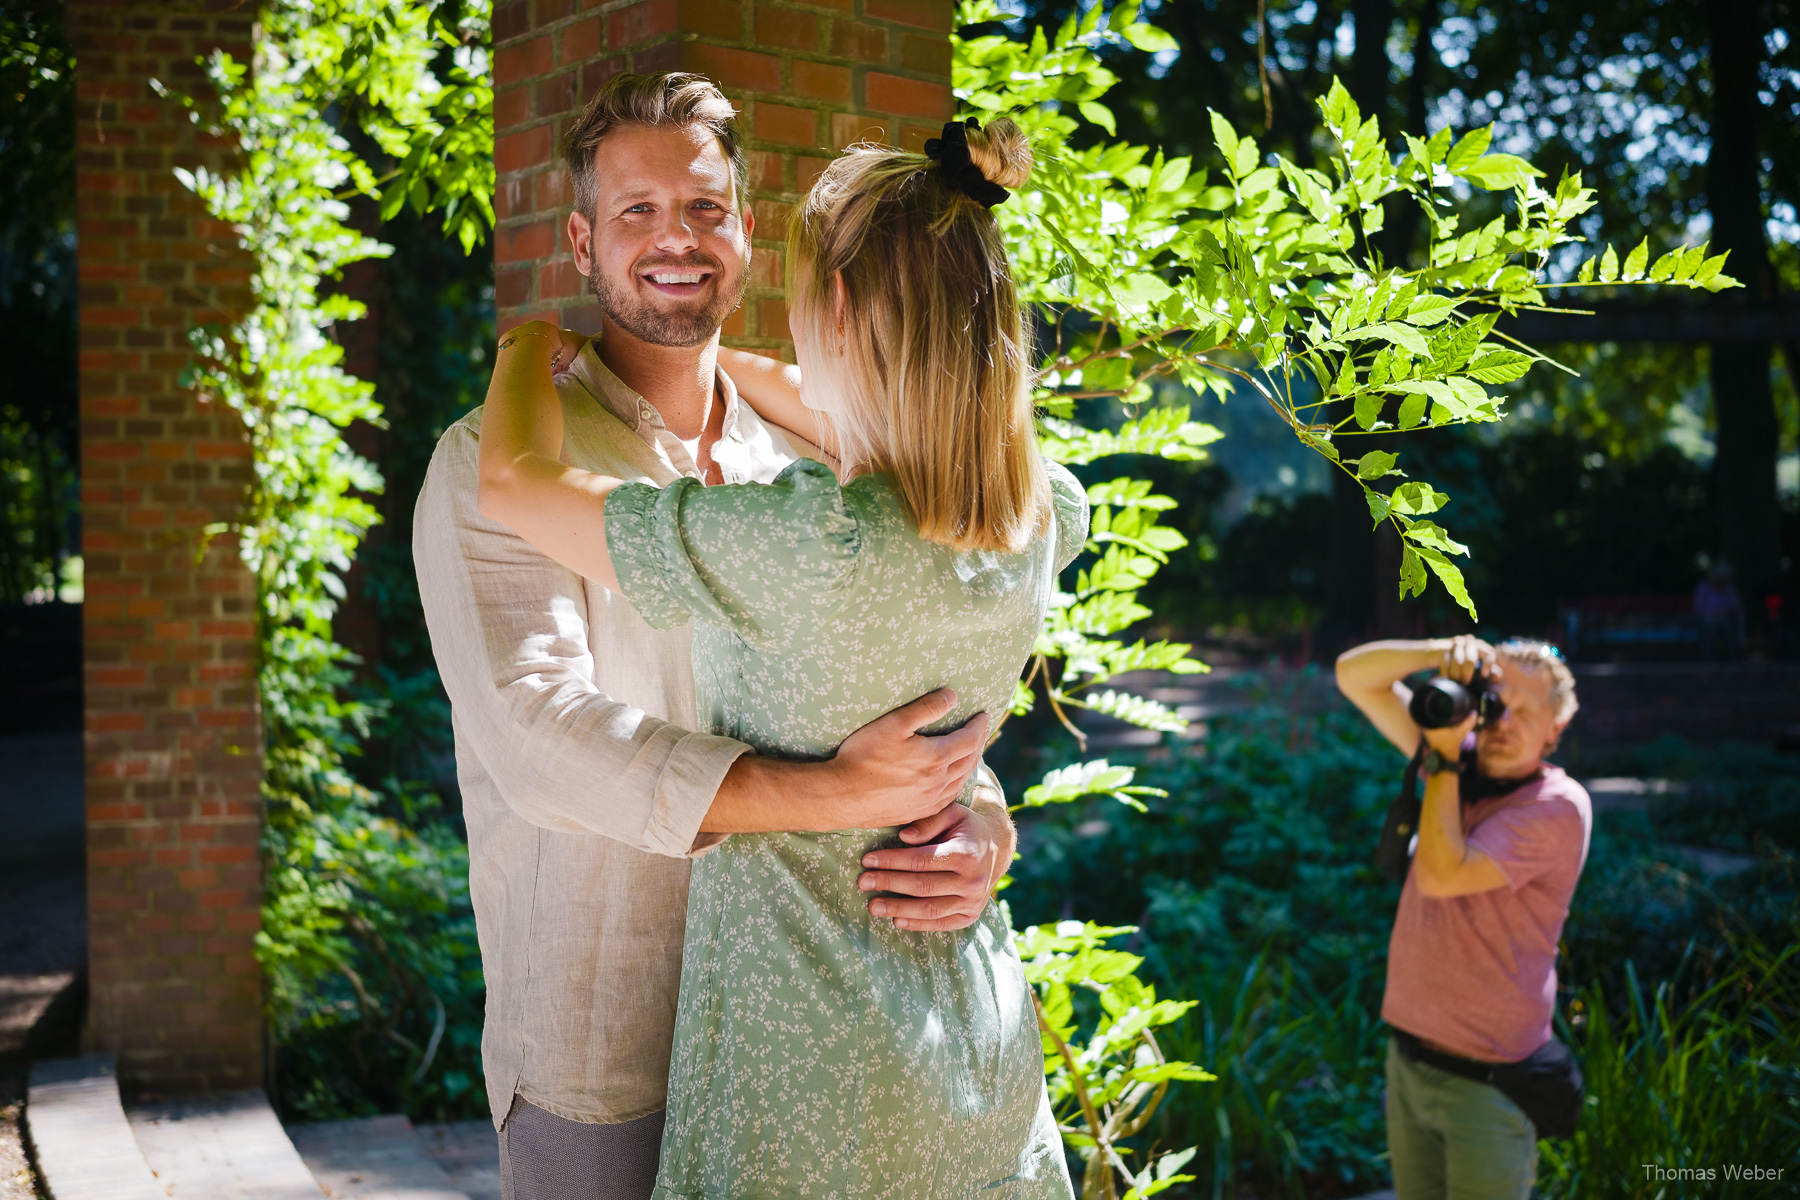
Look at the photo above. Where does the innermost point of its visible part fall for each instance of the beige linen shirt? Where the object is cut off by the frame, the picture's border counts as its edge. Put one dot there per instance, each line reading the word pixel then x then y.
pixel 583 784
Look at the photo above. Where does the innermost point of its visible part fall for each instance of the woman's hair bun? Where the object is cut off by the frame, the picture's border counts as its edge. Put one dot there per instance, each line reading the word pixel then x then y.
pixel 1001 152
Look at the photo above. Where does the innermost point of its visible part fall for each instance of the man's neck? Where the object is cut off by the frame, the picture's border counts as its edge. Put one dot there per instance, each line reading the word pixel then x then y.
pixel 678 381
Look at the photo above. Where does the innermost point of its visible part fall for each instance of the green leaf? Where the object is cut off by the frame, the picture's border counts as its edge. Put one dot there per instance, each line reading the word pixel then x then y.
pixel 1412 411
pixel 1150 39
pixel 1498 172
pixel 1450 576
pixel 1416 499
pixel 1375 464
pixel 1224 136
pixel 1396 333
pixel 1368 409
pixel 1636 261
pixel 1499 366
pixel 1429 533
pixel 1429 309
pixel 1099 114
pixel 1144 289
pixel 1468 150
pixel 1609 266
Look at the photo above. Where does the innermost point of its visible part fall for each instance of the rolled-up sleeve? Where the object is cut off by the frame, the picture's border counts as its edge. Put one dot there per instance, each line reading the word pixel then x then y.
pixel 509 629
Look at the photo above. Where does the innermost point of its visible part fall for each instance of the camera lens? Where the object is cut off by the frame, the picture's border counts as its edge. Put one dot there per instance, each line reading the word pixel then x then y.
pixel 1440 703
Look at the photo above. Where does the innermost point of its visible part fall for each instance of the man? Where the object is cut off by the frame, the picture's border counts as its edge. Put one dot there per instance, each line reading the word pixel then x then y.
pixel 585 788
pixel 1472 960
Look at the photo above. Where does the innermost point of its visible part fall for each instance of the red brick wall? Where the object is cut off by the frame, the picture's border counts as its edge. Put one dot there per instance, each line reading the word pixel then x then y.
pixel 173 743
pixel 808 79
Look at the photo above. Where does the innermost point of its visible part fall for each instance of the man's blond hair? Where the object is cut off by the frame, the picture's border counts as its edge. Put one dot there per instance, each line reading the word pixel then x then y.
pixel 665 100
pixel 928 357
pixel 1542 656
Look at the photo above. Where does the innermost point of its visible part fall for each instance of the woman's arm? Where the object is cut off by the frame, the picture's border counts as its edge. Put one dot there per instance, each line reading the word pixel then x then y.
pixel 772 388
pixel 557 508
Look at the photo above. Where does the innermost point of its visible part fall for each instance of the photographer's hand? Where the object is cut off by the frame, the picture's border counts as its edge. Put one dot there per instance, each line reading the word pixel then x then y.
pixel 1466 656
pixel 1449 741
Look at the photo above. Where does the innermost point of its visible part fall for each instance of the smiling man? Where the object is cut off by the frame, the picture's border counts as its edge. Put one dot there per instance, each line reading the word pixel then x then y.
pixel 585 789
pixel 1474 1076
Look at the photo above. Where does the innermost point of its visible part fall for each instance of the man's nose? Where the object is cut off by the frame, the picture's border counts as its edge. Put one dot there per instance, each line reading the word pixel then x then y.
pixel 674 233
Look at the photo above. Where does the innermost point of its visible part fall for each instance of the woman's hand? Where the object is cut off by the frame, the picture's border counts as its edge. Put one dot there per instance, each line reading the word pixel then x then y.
pixel 568 349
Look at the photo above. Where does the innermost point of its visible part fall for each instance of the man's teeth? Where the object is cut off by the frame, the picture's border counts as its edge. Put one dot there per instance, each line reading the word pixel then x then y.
pixel 678 276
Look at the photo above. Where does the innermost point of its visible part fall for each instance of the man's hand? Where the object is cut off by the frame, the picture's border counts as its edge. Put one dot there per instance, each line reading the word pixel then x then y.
pixel 1466 656
pixel 945 881
pixel 1448 742
pixel 888 773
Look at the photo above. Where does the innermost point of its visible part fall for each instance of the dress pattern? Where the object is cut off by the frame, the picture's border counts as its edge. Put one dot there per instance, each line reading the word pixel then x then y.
pixel 818 1050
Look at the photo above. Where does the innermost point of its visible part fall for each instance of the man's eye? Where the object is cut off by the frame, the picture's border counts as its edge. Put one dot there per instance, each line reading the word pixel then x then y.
pixel 706 204
pixel 638 208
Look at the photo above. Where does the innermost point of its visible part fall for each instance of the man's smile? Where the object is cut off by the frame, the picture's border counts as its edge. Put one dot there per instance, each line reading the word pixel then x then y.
pixel 677 283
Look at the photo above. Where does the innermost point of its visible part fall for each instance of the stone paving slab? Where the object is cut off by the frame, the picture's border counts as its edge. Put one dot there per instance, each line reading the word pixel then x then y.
pixel 469 1152
pixel 373 1158
pixel 226 1147
pixel 79 1135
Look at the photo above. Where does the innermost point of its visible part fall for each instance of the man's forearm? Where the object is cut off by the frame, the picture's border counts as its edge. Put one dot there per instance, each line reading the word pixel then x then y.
pixel 1444 863
pixel 769 795
pixel 1377 666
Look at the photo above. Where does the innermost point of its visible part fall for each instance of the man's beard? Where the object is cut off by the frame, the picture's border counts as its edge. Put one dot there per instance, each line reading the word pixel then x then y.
pixel 689 325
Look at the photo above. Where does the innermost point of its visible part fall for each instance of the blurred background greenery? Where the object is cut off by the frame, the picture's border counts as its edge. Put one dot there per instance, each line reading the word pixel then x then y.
pixel 1251 884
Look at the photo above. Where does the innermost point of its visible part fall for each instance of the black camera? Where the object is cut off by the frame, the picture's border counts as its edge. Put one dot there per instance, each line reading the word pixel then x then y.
pixel 1442 702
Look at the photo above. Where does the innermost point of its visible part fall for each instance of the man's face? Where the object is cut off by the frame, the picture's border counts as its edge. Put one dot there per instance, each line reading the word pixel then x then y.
pixel 1514 743
pixel 667 252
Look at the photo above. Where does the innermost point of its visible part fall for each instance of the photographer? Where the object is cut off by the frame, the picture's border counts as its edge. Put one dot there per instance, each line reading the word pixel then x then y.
pixel 1474 1075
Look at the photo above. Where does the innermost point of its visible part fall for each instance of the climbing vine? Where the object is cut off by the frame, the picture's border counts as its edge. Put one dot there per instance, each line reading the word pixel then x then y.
pixel 367 939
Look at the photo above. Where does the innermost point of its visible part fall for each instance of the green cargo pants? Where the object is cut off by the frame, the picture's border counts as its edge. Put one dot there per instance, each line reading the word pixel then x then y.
pixel 1451 1138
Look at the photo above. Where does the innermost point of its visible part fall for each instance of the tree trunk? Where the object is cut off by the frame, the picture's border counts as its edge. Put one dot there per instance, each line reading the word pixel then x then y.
pixel 1743 400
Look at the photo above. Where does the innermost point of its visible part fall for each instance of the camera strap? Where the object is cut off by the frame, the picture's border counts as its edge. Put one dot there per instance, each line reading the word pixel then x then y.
pixel 1393 853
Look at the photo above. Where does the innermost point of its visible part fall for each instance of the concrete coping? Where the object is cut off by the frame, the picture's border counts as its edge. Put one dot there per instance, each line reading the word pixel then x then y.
pixel 83 1144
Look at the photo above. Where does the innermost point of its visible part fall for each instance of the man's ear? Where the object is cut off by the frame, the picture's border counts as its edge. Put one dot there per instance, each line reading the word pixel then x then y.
pixel 749 220
pixel 581 240
pixel 1556 732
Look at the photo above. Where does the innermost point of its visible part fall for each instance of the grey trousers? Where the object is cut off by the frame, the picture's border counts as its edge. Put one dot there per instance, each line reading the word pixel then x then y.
pixel 1451 1138
pixel 546 1157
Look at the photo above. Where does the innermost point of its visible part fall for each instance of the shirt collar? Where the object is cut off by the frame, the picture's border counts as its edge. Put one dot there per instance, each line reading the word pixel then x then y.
pixel 635 411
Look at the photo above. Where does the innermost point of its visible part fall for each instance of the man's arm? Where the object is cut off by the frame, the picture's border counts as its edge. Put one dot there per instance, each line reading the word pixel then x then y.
pixel 1369 676
pixel 1444 864
pixel 509 627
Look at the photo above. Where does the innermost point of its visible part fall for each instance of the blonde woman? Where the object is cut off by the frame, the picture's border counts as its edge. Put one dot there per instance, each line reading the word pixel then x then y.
pixel 818 1050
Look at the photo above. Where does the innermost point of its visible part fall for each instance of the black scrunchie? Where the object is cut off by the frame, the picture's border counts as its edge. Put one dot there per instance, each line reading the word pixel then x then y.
pixel 952 154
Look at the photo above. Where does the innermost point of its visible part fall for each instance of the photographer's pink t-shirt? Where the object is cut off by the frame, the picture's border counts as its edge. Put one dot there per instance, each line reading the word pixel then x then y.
pixel 1477 974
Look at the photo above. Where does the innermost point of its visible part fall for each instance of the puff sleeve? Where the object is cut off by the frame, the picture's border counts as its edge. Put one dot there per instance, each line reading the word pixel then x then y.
pixel 758 559
pixel 1069 504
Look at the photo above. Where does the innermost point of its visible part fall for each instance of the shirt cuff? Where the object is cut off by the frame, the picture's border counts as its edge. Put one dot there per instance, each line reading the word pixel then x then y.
pixel 685 791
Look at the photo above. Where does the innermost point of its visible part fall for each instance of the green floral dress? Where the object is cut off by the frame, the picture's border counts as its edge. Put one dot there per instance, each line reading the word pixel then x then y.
pixel 818 1050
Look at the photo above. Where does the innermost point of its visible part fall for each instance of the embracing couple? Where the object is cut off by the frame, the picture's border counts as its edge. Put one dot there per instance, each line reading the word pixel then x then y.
pixel 720 637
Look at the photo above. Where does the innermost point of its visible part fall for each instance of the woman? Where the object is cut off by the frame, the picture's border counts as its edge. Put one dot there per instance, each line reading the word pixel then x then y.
pixel 819 1051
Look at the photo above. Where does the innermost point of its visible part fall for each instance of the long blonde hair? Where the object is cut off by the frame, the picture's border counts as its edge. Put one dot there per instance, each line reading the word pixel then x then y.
pixel 927 356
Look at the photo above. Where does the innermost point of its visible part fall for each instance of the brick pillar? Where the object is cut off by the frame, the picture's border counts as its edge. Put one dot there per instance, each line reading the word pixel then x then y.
pixel 173 735
pixel 808 79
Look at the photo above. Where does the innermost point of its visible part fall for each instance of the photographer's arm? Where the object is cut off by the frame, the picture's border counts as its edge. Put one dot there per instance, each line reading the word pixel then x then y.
pixel 1369 676
pixel 1445 865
